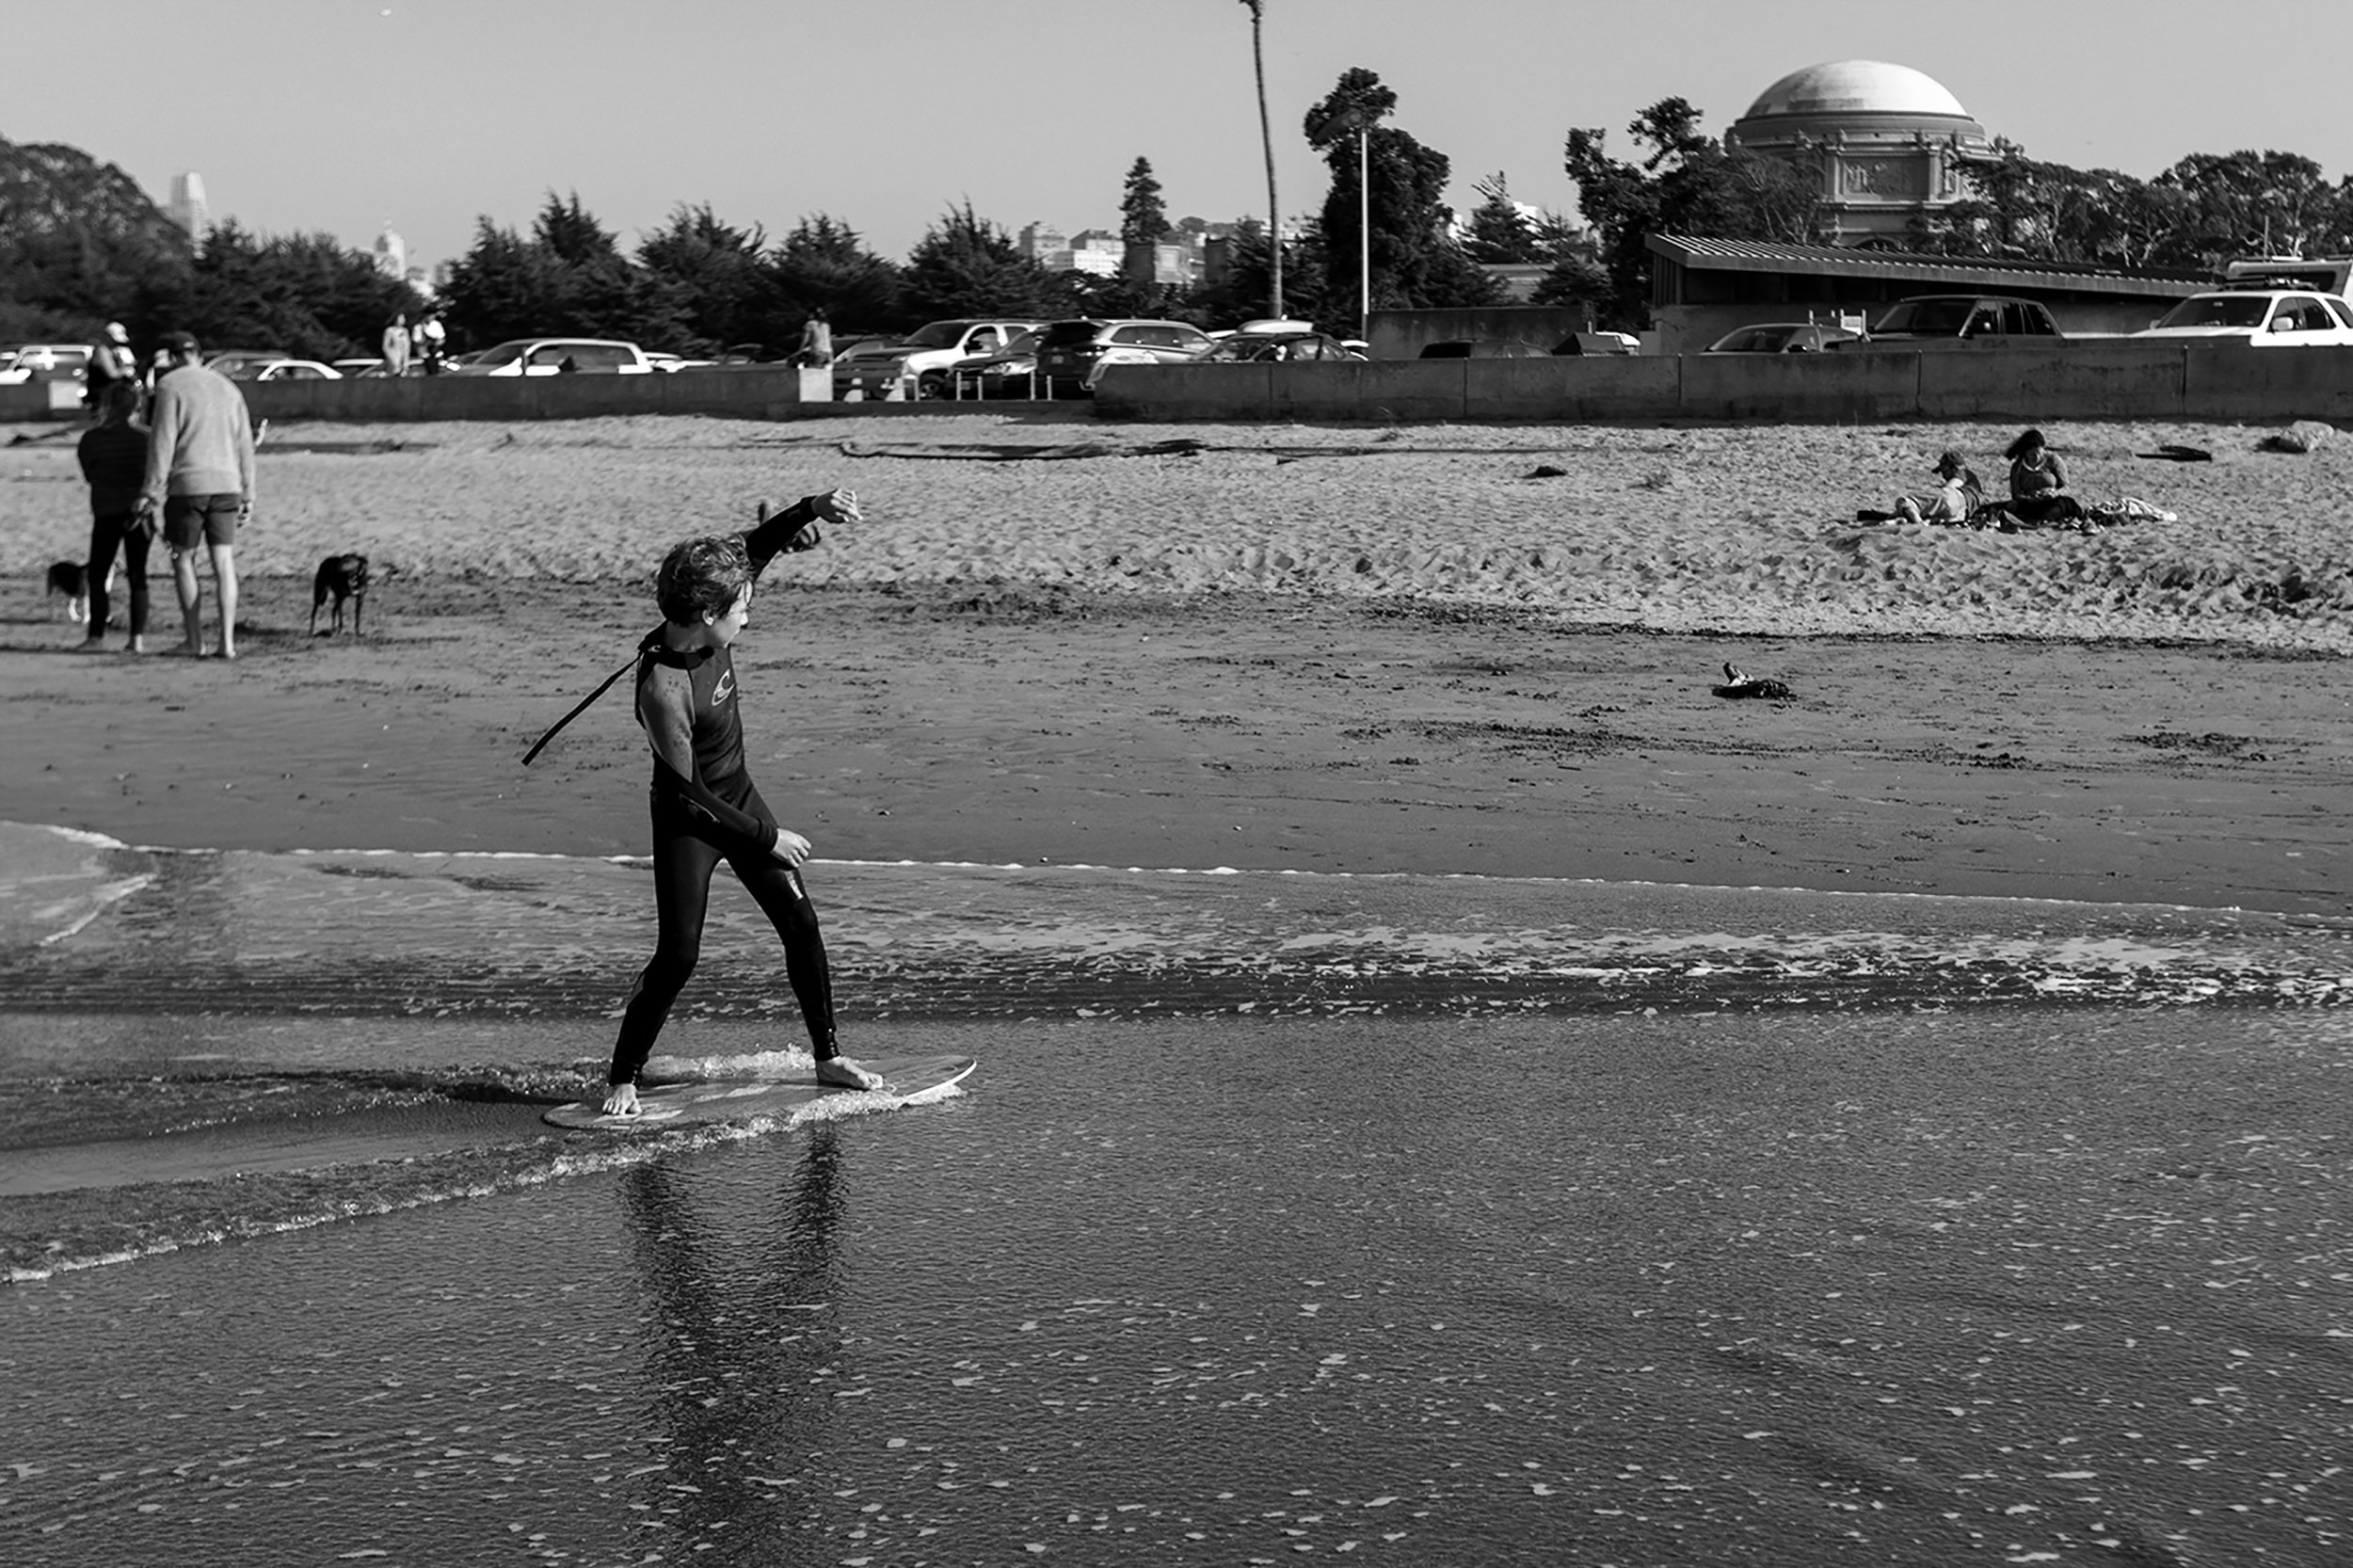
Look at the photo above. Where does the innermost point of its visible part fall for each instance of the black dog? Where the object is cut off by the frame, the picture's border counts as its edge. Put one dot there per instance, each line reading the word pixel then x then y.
pixel 70 579
pixel 341 577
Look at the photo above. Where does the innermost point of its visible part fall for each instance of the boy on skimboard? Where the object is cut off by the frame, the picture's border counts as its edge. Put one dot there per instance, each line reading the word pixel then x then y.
pixel 705 806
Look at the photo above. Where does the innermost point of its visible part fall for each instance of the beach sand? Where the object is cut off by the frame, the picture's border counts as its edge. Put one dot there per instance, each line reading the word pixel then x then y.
pixel 1359 648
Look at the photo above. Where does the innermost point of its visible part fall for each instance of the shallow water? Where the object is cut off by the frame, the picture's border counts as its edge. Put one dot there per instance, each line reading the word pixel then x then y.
pixel 1544 1222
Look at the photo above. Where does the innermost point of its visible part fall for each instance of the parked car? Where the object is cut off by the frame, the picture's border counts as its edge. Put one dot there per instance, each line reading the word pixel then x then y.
pixel 924 355
pixel 45 361
pixel 230 361
pixel 2262 318
pixel 1011 372
pixel 556 356
pixel 1951 319
pixel 1260 348
pixel 282 369
pixel 1481 348
pixel 361 367
pixel 1781 337
pixel 1071 354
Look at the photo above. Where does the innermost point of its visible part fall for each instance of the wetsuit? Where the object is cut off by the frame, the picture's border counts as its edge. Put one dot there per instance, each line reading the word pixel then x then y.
pixel 718 815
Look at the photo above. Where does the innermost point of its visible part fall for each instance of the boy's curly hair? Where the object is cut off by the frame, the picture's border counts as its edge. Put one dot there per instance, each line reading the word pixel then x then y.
pixel 699 575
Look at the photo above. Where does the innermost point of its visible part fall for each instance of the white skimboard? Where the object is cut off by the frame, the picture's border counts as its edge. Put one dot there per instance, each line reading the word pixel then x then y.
pixel 704 1101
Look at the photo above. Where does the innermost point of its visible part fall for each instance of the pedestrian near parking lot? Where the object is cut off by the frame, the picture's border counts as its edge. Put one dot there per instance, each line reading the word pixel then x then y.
pixel 199 477
pixel 816 339
pixel 110 360
pixel 431 340
pixel 396 345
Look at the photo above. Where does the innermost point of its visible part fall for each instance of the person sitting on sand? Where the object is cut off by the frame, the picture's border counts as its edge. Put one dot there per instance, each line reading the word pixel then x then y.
pixel 1959 496
pixel 705 806
pixel 2037 483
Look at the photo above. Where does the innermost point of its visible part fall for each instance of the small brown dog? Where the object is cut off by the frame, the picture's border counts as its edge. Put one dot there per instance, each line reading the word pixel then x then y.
pixel 340 577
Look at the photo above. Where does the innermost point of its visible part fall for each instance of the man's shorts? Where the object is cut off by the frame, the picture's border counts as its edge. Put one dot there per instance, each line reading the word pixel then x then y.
pixel 193 520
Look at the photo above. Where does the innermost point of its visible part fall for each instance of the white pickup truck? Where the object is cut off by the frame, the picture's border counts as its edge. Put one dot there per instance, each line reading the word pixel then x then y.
pixel 918 364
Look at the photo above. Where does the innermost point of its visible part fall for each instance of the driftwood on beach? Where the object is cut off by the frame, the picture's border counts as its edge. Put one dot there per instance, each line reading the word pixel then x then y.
pixel 1017 452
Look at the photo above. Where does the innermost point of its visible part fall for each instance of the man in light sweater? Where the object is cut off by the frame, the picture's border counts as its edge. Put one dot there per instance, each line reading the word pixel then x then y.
pixel 199 472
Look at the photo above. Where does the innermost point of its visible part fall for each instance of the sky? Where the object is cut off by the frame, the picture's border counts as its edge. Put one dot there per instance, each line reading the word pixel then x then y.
pixel 342 116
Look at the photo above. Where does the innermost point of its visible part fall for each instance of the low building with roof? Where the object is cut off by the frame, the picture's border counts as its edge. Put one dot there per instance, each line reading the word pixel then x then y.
pixel 1702 289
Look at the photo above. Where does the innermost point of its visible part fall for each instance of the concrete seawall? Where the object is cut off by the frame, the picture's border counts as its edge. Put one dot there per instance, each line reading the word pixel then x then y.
pixel 758 394
pixel 2091 380
pixel 2094 380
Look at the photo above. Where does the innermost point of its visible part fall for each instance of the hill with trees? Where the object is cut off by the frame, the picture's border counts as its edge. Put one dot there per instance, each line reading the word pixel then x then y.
pixel 82 245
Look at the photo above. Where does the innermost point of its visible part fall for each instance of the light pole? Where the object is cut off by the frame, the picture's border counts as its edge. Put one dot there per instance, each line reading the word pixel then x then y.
pixel 1363 231
pixel 1266 134
pixel 1351 117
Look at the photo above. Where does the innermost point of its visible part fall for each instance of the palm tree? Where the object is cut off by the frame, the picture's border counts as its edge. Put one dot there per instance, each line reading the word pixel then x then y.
pixel 1266 134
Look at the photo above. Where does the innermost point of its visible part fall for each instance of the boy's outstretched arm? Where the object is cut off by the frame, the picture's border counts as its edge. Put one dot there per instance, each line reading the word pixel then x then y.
pixel 796 526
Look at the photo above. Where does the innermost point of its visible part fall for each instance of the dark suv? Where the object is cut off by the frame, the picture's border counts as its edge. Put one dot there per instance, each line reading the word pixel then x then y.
pixel 1069 352
pixel 1935 319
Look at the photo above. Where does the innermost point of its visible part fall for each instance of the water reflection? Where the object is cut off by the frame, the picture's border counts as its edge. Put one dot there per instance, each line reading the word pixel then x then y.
pixel 743 1344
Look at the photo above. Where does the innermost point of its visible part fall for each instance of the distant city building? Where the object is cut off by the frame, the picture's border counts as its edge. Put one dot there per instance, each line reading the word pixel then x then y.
pixel 1096 252
pixel 392 253
pixel 1891 143
pixel 187 207
pixel 1048 246
pixel 1173 263
pixel 1178 260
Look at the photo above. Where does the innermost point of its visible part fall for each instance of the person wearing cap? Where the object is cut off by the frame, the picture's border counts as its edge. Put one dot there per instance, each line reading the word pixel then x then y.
pixel 199 476
pixel 110 360
pixel 1957 499
pixel 430 340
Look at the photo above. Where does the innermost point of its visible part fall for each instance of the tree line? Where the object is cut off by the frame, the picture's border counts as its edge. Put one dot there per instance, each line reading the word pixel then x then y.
pixel 80 246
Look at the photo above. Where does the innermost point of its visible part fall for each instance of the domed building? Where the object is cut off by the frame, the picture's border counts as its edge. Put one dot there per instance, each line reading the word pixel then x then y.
pixel 1890 142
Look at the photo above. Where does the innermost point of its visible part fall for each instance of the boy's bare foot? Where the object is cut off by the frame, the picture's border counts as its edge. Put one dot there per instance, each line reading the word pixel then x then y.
pixel 621 1100
pixel 839 1072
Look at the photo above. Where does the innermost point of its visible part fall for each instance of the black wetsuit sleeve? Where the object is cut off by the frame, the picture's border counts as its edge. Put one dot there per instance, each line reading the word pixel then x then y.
pixel 673 787
pixel 772 538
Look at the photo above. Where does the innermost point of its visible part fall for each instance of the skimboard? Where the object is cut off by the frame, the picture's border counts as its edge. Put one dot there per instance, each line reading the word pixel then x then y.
pixel 703 1101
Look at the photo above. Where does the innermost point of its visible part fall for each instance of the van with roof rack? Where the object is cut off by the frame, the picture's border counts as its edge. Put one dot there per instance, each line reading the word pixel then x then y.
pixel 2320 274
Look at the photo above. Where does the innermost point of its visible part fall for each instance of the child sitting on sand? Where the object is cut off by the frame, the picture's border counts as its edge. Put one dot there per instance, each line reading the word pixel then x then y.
pixel 705 808
pixel 1955 501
